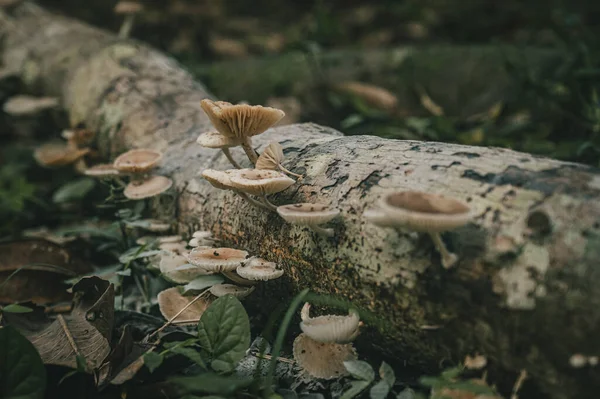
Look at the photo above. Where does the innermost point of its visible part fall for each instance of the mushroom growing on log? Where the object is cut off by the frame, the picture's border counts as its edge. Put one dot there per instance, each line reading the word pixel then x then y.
pixel 525 297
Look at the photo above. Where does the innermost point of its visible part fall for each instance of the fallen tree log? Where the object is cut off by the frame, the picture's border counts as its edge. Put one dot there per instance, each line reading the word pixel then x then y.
pixel 525 293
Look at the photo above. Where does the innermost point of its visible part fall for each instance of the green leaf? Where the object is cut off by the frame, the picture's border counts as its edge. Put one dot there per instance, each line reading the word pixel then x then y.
pixel 407 393
pixel 152 360
pixel 356 388
pixel 203 282
pixel 190 353
pixel 360 370
pixel 22 373
pixel 380 390
pixel 74 190
pixel 387 374
pixel 210 383
pixel 14 308
pixel 452 373
pixel 224 332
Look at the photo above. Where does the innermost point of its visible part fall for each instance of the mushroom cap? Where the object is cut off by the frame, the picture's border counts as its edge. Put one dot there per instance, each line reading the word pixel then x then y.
pixel 101 170
pixel 424 212
pixel 218 178
pixel 241 120
pixel 216 140
pixel 307 214
pixel 259 182
pixel 58 154
pixel 178 247
pixel 128 7
pixel 159 239
pixel 320 359
pixel 219 290
pixel 173 268
pixel 137 161
pixel 152 186
pixel 331 328
pixel 170 302
pixel 270 157
pixel 234 277
pixel 258 269
pixel 156 226
pixel 375 96
pixel 217 259
pixel 202 234
pixel 28 105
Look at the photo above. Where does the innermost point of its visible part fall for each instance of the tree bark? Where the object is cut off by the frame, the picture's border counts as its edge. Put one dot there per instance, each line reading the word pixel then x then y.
pixel 525 292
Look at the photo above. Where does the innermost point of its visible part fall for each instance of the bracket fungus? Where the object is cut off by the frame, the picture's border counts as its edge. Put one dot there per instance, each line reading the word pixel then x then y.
pixel 424 213
pixel 260 182
pixel 201 239
pixel 330 328
pixel 172 267
pixel 272 157
pixel 220 290
pixel 102 171
pixel 138 163
pixel 240 122
pixel 217 259
pixel 321 359
pixel 224 143
pixel 257 269
pixel 55 154
pixel 311 215
pixel 221 180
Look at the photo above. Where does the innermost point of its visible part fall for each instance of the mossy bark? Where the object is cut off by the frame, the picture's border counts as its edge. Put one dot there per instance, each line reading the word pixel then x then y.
pixel 525 292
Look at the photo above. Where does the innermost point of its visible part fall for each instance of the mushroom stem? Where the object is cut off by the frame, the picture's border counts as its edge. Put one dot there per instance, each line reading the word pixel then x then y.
pixel 247 146
pixel 252 201
pixel 126 27
pixel 322 230
pixel 448 258
pixel 269 204
pixel 284 170
pixel 230 158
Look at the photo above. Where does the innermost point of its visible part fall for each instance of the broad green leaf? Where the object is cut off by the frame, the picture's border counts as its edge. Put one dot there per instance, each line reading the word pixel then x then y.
pixel 74 190
pixel 210 383
pixel 152 360
pixel 407 393
pixel 360 370
pixel 224 332
pixel 203 282
pixel 356 388
pixel 380 390
pixel 452 373
pixel 387 374
pixel 22 373
pixel 190 353
pixel 14 308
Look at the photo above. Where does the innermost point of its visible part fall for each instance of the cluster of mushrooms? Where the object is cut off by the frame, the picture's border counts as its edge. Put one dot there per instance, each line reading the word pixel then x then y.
pixel 190 268
pixel 236 125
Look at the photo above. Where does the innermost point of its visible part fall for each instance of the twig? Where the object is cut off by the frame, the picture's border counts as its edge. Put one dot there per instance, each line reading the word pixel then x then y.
pixel 520 380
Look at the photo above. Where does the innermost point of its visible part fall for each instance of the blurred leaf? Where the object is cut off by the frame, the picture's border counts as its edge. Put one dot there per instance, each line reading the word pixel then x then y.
pixel 74 190
pixel 406 393
pixel 14 308
pixel 351 121
pixel 152 360
pixel 210 383
pixel 22 373
pixel 360 369
pixel 190 353
pixel 224 332
pixel 387 374
pixel 356 387
pixel 380 390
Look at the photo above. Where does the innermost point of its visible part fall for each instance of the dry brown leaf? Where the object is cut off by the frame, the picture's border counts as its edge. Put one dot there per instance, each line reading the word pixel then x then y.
pixel 43 268
pixel 170 302
pixel 85 332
